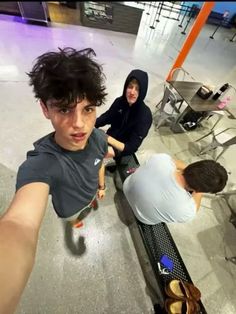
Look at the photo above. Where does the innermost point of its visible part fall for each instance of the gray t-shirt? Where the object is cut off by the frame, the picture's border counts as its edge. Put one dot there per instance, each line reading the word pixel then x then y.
pixel 154 194
pixel 71 175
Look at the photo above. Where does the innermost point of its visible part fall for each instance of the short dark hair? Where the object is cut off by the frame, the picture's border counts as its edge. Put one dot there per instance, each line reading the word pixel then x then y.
pixel 68 75
pixel 133 79
pixel 205 176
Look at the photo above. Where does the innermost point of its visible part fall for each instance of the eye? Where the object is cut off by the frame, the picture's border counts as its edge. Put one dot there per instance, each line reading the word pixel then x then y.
pixel 89 109
pixel 64 110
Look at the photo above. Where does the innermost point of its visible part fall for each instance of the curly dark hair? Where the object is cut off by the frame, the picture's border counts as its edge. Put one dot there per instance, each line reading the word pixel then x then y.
pixel 68 75
pixel 207 176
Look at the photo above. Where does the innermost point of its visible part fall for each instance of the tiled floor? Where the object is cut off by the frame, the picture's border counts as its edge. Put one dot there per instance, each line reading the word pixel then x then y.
pixel 96 269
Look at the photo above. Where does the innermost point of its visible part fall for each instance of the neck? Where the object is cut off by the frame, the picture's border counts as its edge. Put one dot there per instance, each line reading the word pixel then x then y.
pixel 181 180
pixel 58 140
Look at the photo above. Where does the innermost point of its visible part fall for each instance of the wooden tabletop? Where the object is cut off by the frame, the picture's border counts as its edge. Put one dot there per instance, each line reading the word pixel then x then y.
pixel 188 91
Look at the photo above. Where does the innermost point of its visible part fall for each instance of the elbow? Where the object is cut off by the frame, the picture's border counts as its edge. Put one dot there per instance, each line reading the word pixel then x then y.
pixel 97 124
pixel 100 122
pixel 131 148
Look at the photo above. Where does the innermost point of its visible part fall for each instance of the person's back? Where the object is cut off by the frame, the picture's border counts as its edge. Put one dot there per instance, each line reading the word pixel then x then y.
pixel 164 190
pixel 155 195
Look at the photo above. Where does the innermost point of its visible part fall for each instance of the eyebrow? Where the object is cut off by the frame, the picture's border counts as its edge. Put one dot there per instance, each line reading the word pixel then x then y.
pixel 62 106
pixel 56 104
pixel 133 84
pixel 90 105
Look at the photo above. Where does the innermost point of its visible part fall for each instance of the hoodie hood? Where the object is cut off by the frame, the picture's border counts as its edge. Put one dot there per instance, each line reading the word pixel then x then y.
pixel 142 78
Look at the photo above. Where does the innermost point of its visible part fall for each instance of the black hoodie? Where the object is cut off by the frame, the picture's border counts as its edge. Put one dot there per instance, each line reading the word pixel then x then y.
pixel 129 124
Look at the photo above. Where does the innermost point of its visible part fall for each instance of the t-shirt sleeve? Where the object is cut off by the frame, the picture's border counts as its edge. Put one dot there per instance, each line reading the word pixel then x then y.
pixel 102 140
pixel 36 169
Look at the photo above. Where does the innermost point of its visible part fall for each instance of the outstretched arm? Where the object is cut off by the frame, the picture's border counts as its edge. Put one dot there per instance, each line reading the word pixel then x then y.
pixel 115 143
pixel 19 229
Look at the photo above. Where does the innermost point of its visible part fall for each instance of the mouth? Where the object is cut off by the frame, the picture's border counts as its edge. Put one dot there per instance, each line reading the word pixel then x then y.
pixel 79 136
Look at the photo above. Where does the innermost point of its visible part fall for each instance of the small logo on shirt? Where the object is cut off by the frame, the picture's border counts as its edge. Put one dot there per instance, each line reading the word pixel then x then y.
pixel 96 161
pixel 120 110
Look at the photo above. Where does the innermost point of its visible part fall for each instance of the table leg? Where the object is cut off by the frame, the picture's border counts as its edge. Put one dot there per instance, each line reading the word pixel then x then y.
pixel 165 98
pixel 159 115
pixel 176 127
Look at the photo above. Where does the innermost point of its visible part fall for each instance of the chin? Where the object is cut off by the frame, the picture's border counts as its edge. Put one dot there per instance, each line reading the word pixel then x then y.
pixel 132 101
pixel 80 146
pixel 77 147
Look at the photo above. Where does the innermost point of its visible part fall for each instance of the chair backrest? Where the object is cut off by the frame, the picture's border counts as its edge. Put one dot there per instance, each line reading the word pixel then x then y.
pixel 218 114
pixel 180 74
pixel 226 137
pixel 177 74
pixel 169 100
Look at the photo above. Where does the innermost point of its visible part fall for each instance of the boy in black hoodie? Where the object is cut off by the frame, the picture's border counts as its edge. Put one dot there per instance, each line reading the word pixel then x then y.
pixel 129 118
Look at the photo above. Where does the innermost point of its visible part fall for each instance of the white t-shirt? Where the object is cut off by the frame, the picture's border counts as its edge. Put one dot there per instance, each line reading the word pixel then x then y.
pixel 154 194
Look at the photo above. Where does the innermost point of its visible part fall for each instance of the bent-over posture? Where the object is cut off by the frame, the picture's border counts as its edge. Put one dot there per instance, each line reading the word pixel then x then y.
pixel 165 190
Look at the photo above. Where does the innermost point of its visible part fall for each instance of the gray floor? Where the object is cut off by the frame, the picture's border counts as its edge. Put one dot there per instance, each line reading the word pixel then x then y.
pixel 97 269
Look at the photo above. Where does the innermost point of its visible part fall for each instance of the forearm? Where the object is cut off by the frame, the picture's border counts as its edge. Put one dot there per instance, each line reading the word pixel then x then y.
pixel 17 253
pixel 115 143
pixel 101 176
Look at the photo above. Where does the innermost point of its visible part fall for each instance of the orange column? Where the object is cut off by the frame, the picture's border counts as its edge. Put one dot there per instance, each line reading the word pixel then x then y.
pixel 192 36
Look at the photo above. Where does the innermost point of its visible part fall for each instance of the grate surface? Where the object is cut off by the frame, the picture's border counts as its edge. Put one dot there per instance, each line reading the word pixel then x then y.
pixel 159 242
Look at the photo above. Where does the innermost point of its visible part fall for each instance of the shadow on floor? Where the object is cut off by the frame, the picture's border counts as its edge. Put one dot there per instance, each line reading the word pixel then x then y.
pixel 124 211
pixel 76 248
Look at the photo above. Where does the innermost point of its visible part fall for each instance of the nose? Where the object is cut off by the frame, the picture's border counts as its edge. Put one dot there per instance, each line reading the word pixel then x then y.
pixel 78 119
pixel 133 90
